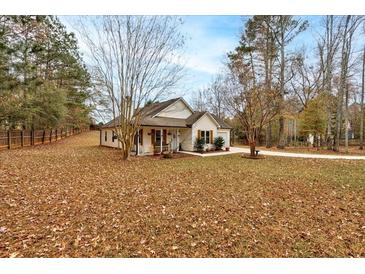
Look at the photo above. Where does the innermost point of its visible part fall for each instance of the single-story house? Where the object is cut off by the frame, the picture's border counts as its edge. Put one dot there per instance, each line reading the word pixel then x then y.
pixel 171 126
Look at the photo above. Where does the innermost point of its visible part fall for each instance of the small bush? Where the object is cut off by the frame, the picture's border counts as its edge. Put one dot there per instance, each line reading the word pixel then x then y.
pixel 167 155
pixel 219 142
pixel 200 144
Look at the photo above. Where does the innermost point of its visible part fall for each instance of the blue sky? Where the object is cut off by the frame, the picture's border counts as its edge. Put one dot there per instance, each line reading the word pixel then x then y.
pixel 208 39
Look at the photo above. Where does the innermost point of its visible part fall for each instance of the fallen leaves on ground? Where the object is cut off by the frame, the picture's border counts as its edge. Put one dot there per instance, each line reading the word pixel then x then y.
pixel 76 199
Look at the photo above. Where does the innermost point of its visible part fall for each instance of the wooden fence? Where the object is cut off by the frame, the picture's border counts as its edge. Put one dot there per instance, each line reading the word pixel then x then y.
pixel 21 138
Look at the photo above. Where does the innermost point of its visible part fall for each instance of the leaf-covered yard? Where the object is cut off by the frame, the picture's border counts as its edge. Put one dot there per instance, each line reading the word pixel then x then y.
pixel 75 199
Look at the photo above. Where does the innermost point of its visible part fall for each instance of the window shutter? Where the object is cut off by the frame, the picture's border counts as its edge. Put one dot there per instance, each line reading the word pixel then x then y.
pixel 211 137
pixel 153 136
pixel 198 134
pixel 164 140
pixel 141 137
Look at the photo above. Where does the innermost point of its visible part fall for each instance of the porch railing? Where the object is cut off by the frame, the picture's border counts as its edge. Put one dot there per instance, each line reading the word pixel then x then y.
pixel 157 148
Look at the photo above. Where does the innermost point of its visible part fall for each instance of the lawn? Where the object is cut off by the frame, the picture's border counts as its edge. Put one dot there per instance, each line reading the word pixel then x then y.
pixel 76 199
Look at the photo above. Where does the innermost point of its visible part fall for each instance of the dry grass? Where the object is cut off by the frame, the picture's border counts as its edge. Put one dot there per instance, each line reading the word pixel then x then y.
pixel 75 199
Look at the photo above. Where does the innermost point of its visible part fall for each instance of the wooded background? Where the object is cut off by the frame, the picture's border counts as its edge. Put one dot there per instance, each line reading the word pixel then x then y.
pixel 44 83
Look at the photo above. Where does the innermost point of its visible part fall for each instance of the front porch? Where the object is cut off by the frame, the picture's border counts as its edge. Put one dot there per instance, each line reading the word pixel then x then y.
pixel 156 140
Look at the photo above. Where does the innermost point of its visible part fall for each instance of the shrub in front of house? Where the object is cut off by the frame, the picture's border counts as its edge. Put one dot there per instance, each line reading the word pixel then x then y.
pixel 167 155
pixel 200 144
pixel 219 142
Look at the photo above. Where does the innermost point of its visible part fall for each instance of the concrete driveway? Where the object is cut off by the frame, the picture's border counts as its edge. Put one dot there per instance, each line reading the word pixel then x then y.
pixel 278 153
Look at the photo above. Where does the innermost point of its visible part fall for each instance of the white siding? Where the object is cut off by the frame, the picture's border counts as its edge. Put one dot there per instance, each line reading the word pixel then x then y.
pixel 225 133
pixel 147 147
pixel 204 123
pixel 185 139
pixel 109 135
pixel 177 110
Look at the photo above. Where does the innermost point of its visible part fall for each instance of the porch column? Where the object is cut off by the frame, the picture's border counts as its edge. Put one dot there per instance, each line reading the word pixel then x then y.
pixel 161 136
pixel 137 145
pixel 177 140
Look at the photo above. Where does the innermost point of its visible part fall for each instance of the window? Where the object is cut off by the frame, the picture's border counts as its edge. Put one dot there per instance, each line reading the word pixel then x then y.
pixel 158 137
pixel 141 137
pixel 205 134
pixel 106 136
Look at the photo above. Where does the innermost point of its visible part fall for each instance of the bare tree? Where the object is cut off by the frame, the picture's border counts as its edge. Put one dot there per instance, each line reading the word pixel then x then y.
pixel 285 28
pixel 200 100
pixel 350 26
pixel 306 79
pixel 215 96
pixel 328 47
pixel 135 59
pixel 253 106
pixel 262 47
pixel 247 100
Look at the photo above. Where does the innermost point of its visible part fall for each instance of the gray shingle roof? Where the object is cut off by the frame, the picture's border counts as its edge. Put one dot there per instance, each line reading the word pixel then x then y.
pixel 221 123
pixel 194 117
pixel 150 110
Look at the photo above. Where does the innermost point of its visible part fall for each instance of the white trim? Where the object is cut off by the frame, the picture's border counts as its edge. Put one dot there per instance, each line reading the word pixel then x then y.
pixel 180 99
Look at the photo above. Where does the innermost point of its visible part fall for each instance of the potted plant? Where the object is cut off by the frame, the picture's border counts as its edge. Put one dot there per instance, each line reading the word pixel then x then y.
pixel 219 142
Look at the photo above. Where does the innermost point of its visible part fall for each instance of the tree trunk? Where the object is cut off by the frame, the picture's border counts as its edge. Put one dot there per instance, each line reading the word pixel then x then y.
pixel 281 144
pixel 329 133
pixel 328 75
pixel 252 148
pixel 362 104
pixel 340 95
pixel 346 120
pixel 295 132
pixel 126 148
pixel 269 135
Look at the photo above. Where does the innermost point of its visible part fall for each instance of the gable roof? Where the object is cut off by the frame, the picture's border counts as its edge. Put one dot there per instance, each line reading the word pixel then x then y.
pixel 194 117
pixel 150 118
pixel 221 122
pixel 173 101
pixel 155 108
pixel 147 110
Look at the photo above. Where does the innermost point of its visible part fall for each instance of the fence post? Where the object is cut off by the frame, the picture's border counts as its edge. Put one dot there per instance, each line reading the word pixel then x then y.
pixel 22 138
pixel 32 137
pixel 50 136
pixel 9 138
pixel 43 136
